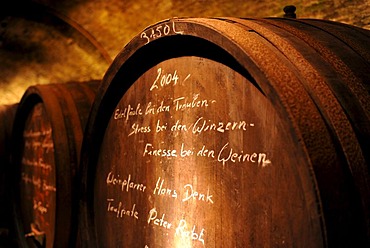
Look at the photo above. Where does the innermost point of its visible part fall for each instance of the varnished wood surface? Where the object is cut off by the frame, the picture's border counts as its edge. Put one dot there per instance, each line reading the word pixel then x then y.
pixel 280 75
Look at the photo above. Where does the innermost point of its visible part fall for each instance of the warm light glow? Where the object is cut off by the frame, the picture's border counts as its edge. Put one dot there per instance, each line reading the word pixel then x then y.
pixel 182 243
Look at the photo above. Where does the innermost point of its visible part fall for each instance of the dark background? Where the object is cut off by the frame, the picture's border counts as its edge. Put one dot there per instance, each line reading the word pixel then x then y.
pixel 46 41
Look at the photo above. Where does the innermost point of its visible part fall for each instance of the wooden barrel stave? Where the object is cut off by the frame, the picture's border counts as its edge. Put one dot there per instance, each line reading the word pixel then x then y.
pixel 354 37
pixel 357 114
pixel 331 110
pixel 356 111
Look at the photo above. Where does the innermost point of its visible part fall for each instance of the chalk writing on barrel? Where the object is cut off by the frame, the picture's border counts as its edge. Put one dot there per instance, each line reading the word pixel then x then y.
pixel 159 31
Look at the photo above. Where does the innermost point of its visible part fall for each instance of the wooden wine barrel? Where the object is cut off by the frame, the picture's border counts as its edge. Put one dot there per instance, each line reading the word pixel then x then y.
pixel 7 113
pixel 229 132
pixel 47 137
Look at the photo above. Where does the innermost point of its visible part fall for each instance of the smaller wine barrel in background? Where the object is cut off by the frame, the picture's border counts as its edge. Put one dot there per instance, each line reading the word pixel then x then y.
pixel 7 113
pixel 47 135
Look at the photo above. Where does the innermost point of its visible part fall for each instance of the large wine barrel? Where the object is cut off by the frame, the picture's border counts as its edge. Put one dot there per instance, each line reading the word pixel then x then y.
pixel 7 113
pixel 47 136
pixel 228 132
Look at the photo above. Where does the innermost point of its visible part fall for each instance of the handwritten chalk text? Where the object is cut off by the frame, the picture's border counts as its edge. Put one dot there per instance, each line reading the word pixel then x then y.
pixel 124 184
pixel 120 211
pixel 227 154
